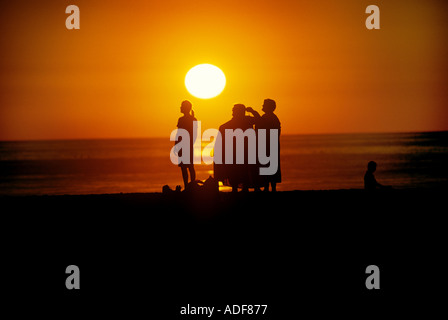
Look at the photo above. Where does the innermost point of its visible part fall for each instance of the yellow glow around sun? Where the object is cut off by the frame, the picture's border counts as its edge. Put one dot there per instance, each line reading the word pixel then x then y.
pixel 205 81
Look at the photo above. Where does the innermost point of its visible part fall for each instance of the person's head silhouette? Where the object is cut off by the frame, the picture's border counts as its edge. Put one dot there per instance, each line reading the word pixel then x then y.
pixel 269 106
pixel 238 111
pixel 371 166
pixel 185 107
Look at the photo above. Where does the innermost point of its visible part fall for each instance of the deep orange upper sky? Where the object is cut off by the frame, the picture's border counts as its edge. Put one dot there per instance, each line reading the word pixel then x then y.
pixel 122 74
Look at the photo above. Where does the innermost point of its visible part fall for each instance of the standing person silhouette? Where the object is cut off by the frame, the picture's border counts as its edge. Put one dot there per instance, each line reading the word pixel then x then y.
pixel 269 121
pixel 187 122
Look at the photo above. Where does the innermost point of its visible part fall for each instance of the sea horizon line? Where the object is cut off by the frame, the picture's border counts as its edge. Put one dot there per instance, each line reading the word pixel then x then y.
pixel 167 137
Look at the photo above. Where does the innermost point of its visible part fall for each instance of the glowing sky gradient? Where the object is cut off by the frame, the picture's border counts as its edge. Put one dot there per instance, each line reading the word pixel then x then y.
pixel 122 74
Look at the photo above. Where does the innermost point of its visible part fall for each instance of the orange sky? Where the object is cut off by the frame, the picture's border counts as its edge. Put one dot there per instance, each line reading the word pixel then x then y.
pixel 122 74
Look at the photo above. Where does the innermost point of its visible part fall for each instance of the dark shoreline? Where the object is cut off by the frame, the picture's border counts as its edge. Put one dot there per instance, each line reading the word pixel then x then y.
pixel 170 250
pixel 393 202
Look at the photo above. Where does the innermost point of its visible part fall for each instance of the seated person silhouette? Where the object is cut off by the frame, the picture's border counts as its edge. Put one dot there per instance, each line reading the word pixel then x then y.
pixel 370 182
pixel 235 175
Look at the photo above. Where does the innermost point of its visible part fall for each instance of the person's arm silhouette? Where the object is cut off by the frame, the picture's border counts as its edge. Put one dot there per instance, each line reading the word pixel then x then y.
pixel 254 113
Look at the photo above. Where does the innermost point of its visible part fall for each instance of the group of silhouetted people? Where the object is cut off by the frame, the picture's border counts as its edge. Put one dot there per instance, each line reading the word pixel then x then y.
pixel 243 175
pixel 246 175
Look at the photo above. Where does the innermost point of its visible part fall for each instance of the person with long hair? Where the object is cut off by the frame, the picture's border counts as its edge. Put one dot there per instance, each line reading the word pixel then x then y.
pixel 187 122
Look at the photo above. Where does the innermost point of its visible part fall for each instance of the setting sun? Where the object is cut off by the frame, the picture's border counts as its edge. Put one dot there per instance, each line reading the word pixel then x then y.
pixel 205 81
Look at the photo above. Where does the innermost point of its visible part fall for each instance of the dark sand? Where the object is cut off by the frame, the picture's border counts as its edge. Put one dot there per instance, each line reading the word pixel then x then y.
pixel 296 251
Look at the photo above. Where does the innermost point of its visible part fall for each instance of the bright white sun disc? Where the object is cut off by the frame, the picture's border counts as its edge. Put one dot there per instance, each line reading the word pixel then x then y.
pixel 205 81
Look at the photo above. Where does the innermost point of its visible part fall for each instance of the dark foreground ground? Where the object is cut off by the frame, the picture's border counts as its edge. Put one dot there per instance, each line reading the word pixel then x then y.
pixel 299 252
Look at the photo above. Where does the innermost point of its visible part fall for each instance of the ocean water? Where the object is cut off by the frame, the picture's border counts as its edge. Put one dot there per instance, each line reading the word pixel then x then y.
pixel 308 162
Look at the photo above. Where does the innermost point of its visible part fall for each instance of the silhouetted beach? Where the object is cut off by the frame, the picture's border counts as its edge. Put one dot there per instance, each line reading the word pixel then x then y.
pixel 215 154
pixel 178 248
pixel 308 162
pixel 90 203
